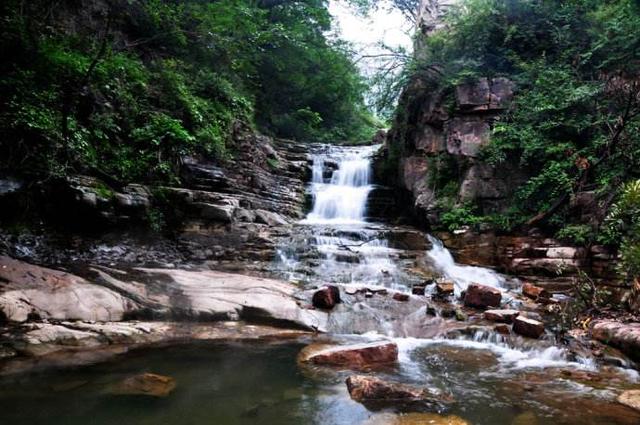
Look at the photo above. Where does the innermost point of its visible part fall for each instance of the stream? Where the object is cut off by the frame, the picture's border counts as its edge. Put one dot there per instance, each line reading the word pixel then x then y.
pixel 495 379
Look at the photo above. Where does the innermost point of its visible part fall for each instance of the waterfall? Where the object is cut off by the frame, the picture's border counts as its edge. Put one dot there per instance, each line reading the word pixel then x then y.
pixel 461 276
pixel 342 198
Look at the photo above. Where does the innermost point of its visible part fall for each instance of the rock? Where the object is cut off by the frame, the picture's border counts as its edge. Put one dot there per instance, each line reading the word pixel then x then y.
pixel 528 327
pixel 418 289
pixel 222 213
pixel 398 296
pixel 625 336
pixel 352 356
pixel 33 291
pixel 482 296
pixel 147 384
pixel 444 288
pixel 270 218
pixel 461 316
pixel 505 316
pixel 375 393
pixel 326 298
pixel 431 311
pixel 630 398
pixel 448 312
pixel 535 292
pixel 502 329
pixel 414 419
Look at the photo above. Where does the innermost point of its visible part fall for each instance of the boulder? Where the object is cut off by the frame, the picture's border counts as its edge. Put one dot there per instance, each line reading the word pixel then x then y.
pixel 326 298
pixel 482 296
pixel 625 336
pixel 444 288
pixel 630 398
pixel 418 289
pixel 502 329
pixel 356 356
pixel 504 316
pixel 399 296
pixel 375 393
pixel 528 327
pixel 146 384
pixel 535 292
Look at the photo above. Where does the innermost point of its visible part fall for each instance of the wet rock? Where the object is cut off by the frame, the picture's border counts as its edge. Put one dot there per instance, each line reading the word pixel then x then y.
pixel 505 316
pixel 444 288
pixel 147 384
pixel 448 312
pixel 326 298
pixel 525 418
pixel 431 311
pixel 414 419
pixel 528 327
pixel 502 329
pixel 461 316
pixel 625 336
pixel 398 296
pixel 482 296
pixel 630 398
pixel 535 292
pixel 418 289
pixel 352 356
pixel 375 393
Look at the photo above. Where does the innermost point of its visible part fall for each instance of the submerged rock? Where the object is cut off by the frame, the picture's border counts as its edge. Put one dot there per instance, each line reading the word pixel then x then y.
pixel 505 316
pixel 528 327
pixel 352 356
pixel 482 296
pixel 326 298
pixel 375 393
pixel 147 384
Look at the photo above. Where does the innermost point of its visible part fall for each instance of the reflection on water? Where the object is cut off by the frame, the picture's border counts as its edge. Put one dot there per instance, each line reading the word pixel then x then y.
pixel 262 384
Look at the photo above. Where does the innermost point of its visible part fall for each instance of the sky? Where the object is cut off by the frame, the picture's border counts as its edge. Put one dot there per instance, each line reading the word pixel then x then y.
pixel 382 25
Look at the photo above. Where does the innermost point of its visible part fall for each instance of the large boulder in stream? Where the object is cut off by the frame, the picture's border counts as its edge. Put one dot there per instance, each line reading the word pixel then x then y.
pixel 326 298
pixel 528 327
pixel 376 394
pixel 482 296
pixel 356 356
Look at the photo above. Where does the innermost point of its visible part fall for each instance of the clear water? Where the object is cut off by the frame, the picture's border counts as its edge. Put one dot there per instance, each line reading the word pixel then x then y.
pixel 230 384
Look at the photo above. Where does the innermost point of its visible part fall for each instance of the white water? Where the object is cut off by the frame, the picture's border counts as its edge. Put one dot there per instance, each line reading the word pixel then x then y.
pixel 461 276
pixel 343 198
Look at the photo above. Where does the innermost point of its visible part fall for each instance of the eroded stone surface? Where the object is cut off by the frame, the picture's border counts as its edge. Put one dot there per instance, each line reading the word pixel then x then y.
pixel 356 356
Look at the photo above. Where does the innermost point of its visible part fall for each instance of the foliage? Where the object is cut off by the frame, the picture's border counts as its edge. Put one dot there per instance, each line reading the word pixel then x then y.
pixel 126 88
pixel 574 124
pixel 457 217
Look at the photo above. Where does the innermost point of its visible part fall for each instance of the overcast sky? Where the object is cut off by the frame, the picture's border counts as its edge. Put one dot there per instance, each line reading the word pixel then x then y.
pixel 383 25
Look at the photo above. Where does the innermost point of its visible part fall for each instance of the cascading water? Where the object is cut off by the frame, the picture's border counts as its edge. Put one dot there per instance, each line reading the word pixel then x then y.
pixel 461 275
pixel 343 198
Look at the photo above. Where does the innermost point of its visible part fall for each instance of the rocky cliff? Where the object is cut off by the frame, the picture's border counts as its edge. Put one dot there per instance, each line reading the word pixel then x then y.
pixel 219 210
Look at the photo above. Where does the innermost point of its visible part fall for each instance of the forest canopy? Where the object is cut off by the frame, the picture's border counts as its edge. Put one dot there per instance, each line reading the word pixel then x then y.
pixel 125 88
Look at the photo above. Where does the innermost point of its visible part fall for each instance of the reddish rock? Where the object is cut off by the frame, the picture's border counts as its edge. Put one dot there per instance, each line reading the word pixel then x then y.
pixel 376 393
pixel 482 296
pixel 535 292
pixel 398 296
pixel 502 329
pixel 630 398
pixel 351 356
pixel 505 316
pixel 326 298
pixel 445 288
pixel 528 327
